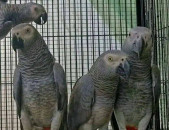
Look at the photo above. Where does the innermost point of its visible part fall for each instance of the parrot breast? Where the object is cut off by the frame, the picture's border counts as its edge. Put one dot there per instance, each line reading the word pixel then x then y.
pixel 131 128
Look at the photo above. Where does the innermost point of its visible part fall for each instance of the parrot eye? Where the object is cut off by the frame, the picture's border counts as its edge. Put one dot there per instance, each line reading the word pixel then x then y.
pixel 27 30
pixel 129 34
pixel 36 8
pixel 110 59
pixel 122 59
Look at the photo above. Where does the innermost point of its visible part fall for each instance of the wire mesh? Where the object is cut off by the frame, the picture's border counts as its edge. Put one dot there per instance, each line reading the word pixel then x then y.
pixel 77 32
pixel 157 19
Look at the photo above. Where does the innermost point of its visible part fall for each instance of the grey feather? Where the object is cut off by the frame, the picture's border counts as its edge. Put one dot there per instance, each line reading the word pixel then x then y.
pixel 14 14
pixel 17 90
pixel 44 90
pixel 156 84
pixel 135 96
pixel 93 97
pixel 81 102
pixel 60 79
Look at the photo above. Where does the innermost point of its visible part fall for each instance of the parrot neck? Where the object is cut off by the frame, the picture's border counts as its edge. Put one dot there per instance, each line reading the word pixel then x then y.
pixel 15 12
pixel 38 60
pixel 106 86
pixel 140 68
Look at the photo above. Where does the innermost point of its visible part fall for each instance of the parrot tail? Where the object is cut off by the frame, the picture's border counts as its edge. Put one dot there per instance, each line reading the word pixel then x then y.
pixel 46 128
pixel 131 128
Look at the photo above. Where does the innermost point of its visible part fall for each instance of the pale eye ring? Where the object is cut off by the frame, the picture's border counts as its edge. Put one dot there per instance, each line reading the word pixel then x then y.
pixel 36 8
pixel 27 30
pixel 110 58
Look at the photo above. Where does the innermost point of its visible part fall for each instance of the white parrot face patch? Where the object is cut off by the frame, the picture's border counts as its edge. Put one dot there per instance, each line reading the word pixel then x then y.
pixel 116 63
pixel 114 60
pixel 25 32
pixel 24 36
pixel 139 33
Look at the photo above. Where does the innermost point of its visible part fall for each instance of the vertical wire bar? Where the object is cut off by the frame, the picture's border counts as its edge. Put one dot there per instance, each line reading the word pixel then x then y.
pixel 104 25
pixel 47 2
pixel 158 47
pixel 81 26
pixel 64 31
pixel 115 27
pixel 159 52
pixel 98 28
pixel 53 29
pixel 93 32
pixel 75 39
pixel 140 12
pixel 167 62
pixel 87 35
pixel 58 30
pixel 11 70
pixel 162 59
pixel 120 23
pixel 126 15
pixel 6 94
pixel 70 35
pixel 131 11
pixel 109 24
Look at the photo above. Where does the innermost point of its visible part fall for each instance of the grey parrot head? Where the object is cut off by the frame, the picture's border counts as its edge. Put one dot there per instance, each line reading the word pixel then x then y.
pixel 112 63
pixel 38 13
pixel 138 42
pixel 23 36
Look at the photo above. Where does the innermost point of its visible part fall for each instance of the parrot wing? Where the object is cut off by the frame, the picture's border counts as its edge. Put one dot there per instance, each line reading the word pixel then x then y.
pixel 60 80
pixel 17 90
pixel 81 102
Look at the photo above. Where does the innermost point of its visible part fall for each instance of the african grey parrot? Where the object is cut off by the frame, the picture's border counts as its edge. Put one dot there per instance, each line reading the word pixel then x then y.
pixel 40 89
pixel 94 94
pixel 139 95
pixel 14 14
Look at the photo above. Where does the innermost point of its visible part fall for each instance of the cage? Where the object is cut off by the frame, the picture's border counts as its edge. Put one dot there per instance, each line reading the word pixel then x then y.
pixel 78 31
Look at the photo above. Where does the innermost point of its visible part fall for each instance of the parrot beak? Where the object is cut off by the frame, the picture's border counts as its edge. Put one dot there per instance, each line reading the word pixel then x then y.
pixel 138 47
pixel 17 43
pixel 42 19
pixel 124 69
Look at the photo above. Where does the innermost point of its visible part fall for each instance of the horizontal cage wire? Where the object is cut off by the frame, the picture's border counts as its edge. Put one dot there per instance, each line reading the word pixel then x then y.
pixel 77 32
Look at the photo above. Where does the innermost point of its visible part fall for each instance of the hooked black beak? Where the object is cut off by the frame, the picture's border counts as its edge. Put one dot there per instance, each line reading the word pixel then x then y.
pixel 138 47
pixel 124 69
pixel 42 19
pixel 17 43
